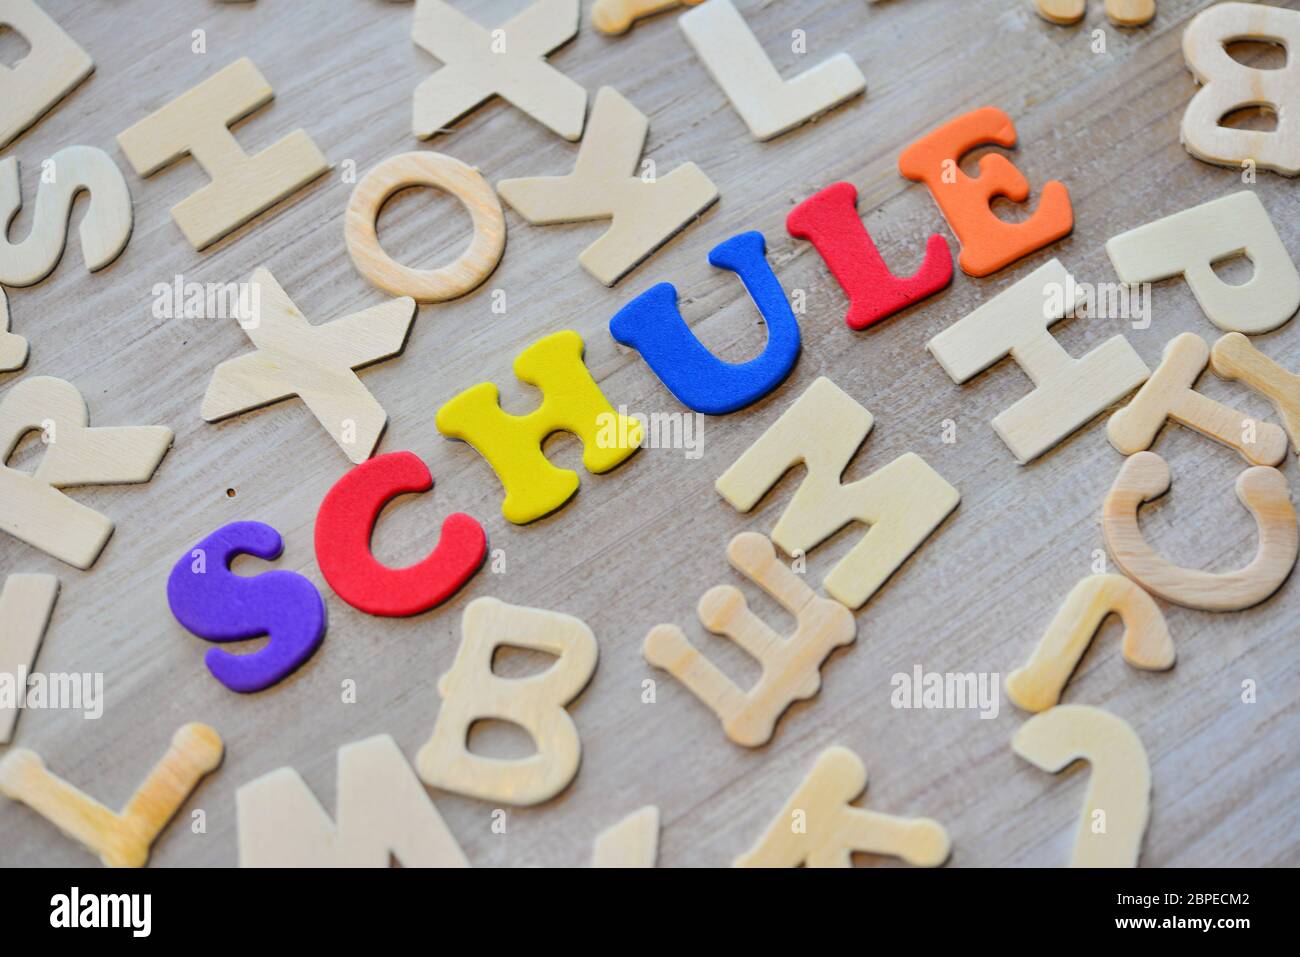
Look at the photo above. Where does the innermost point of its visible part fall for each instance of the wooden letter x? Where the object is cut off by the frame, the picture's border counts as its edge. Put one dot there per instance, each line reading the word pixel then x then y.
pixel 120 839
pixel 819 828
pixel 604 185
pixel 509 61
pixel 904 502
pixel 294 357
pixel 791 666
pixel 31 507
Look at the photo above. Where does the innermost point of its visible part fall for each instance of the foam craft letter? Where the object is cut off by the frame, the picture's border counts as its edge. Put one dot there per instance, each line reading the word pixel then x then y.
pixel 512 444
pixel 615 16
pixel 32 508
pixel 383 813
pixel 1264 491
pixel 472 692
pixel 653 326
pixel 121 839
pixel 509 61
pixel 904 502
pixel 833 829
pixel 768 104
pixel 26 603
pixel 214 603
pixel 465 273
pixel 1190 242
pixel 1169 394
pixel 1122 13
pixel 829 220
pixel 13 348
pixel 1068 392
pixel 1119 789
pixel 1235 358
pixel 988 243
pixel 1228 86
pixel 632 842
pixel 346 521
pixel 604 184
pixel 791 666
pixel 105 228
pixel 53 67
pixel 197 123
pixel 1146 644
pixel 294 357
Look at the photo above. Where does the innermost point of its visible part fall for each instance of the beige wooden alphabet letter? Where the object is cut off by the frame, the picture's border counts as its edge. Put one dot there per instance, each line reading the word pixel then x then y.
pixel 198 123
pixel 120 839
pixel 53 67
pixel 31 507
pixel 1146 645
pixel 1122 13
pixel 604 184
pixel 383 812
pixel 1234 357
pixel 818 827
pixel 13 347
pixel 616 16
pixel 472 692
pixel 791 666
pixel 1068 392
pixel 632 842
pixel 904 502
pixel 25 607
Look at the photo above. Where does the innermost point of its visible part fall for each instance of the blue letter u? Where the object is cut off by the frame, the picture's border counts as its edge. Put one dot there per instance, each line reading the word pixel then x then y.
pixel 652 325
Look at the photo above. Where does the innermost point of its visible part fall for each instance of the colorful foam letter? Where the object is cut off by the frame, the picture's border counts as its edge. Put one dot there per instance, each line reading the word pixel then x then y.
pixel 512 444
pixel 31 506
pixel 791 666
pixel 1191 242
pixel 214 603
pixel 1228 86
pixel 829 220
pixel 384 812
pixel 197 123
pixel 105 228
pixel 53 67
pixel 904 502
pixel 509 61
pixel 833 829
pixel 605 183
pixel 987 242
pixel 344 525
pixel 653 326
pixel 472 692
pixel 1068 392
pixel 121 839
pixel 26 603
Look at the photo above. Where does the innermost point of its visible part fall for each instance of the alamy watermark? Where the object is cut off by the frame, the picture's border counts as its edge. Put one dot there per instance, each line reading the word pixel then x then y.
pixel 1103 300
pixel 659 430
pixel 58 691
pixel 179 299
pixel 943 691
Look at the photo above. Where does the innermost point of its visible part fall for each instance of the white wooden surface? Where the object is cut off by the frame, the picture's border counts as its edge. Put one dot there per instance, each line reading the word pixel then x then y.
pixel 638 546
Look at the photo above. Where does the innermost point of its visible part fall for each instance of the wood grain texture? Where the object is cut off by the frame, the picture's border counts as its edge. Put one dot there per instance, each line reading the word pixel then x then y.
pixel 634 546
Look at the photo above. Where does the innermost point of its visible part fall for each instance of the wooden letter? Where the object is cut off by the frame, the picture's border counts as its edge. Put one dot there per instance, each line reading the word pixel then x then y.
pixel 615 16
pixel 988 243
pixel 604 184
pixel 632 842
pixel 1122 13
pixel 904 502
pixel 31 507
pixel 26 604
pixel 472 692
pixel 54 67
pixel 833 829
pixel 1228 86
pixel 1264 491
pixel 1117 805
pixel 791 666
pixel 13 348
pixel 1068 392
pixel 1146 645
pixel 768 104
pixel 1234 357
pixel 383 813
pixel 1169 395
pixel 197 123
pixel 294 357
pixel 120 839
pixel 509 62
pixel 512 444
pixel 1190 242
